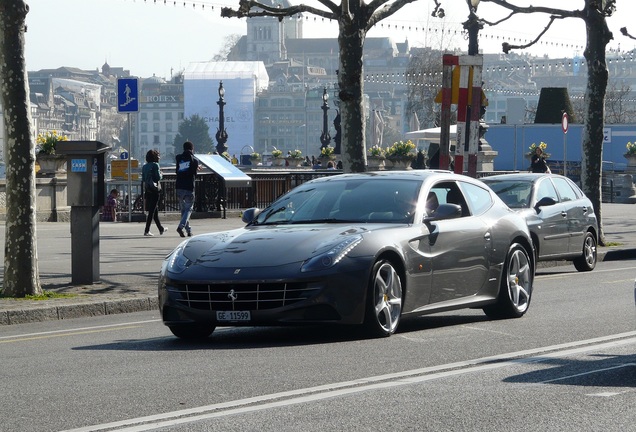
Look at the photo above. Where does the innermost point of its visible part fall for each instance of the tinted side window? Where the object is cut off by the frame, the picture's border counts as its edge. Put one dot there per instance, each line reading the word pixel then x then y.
pixel 565 190
pixel 449 193
pixel 479 199
pixel 546 189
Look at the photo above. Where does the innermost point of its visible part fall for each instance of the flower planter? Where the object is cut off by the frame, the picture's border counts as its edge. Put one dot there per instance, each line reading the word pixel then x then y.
pixel 375 163
pixel 401 163
pixel 324 161
pixel 51 164
pixel 278 162
pixel 294 162
pixel 631 163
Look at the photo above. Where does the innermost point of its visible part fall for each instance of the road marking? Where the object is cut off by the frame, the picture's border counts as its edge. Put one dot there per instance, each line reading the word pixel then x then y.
pixel 66 332
pixel 587 373
pixel 311 394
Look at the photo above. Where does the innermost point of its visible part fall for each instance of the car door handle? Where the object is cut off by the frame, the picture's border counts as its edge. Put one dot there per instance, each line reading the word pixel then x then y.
pixel 487 236
pixel 564 214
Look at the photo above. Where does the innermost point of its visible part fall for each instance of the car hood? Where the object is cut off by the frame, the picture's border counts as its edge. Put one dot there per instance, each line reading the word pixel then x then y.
pixel 265 246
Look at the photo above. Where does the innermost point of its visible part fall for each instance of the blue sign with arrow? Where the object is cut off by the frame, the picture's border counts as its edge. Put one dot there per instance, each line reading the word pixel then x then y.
pixel 127 95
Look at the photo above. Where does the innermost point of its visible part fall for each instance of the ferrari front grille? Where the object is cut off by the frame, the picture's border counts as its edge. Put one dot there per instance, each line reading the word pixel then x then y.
pixel 243 296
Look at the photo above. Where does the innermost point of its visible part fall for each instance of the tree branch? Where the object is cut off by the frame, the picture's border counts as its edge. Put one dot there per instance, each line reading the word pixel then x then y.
pixel 246 6
pixel 562 13
pixel 626 33
pixel 506 47
pixel 438 12
pixel 386 11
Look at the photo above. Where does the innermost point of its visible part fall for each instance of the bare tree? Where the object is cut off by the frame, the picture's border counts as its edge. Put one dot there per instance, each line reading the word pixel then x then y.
pixel 229 42
pixel 424 73
pixel 617 109
pixel 594 14
pixel 354 18
pixel 21 276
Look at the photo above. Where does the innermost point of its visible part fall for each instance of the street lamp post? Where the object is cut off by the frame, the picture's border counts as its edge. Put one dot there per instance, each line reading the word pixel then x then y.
pixel 325 138
pixel 472 26
pixel 221 133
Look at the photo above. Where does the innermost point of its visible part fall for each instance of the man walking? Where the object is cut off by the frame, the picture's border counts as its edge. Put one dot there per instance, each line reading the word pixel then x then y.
pixel 187 166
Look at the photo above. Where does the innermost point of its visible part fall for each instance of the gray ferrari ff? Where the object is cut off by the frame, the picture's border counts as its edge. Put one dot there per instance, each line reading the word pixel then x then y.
pixel 360 249
pixel 561 218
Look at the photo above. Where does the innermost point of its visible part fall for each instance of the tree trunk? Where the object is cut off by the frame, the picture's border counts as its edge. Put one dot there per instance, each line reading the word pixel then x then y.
pixel 21 276
pixel 598 36
pixel 350 81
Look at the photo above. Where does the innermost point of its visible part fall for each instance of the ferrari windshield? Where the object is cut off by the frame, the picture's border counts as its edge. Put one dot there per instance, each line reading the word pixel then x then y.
pixel 354 200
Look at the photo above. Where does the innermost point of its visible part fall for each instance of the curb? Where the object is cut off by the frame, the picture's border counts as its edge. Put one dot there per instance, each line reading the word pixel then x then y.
pixel 49 312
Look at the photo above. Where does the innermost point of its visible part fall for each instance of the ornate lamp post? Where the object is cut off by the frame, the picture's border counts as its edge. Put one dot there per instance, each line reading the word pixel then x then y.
pixel 336 121
pixel 472 26
pixel 221 133
pixel 325 138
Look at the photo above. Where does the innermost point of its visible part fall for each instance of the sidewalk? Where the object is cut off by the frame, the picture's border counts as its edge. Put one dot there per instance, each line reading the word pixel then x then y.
pixel 130 264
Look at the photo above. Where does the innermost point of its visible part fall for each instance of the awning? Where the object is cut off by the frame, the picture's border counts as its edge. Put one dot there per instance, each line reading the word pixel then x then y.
pixel 432 134
pixel 233 176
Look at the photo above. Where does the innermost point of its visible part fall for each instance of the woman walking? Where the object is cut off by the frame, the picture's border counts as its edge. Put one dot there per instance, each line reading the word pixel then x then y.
pixel 151 180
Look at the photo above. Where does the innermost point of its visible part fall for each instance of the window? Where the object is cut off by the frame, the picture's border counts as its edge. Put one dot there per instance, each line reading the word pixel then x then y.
pixel 546 189
pixel 449 193
pixel 479 199
pixel 155 116
pixel 169 115
pixel 565 190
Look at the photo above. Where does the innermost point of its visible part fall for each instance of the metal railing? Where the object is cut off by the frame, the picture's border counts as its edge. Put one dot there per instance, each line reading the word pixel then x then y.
pixel 211 194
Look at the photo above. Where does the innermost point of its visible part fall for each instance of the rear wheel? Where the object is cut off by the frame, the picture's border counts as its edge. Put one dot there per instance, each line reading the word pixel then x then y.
pixel 192 331
pixel 516 285
pixel 587 260
pixel 384 302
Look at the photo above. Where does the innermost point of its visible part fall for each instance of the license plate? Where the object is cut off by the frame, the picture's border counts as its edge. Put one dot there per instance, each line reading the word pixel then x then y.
pixel 233 315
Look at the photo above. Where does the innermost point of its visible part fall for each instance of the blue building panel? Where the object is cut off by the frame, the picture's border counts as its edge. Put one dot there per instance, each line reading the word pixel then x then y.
pixel 513 142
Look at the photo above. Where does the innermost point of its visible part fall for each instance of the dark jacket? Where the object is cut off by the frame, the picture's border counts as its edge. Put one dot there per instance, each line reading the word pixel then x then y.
pixel 187 166
pixel 150 170
pixel 538 164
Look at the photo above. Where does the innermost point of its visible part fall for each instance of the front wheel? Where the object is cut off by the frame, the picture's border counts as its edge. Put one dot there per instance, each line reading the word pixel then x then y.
pixel 384 300
pixel 192 331
pixel 516 285
pixel 587 260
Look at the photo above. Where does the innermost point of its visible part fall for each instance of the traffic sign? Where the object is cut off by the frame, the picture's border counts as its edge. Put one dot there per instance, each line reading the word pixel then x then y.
pixel 564 122
pixel 123 155
pixel 119 169
pixel 127 95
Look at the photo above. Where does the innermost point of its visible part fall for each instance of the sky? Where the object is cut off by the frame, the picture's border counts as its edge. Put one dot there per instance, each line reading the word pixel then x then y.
pixel 153 37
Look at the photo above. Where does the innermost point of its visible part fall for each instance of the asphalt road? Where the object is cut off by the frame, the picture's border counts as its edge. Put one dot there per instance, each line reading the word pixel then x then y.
pixel 568 364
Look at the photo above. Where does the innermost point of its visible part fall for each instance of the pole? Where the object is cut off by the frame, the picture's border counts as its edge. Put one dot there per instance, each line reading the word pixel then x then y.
pixel 565 154
pixel 130 200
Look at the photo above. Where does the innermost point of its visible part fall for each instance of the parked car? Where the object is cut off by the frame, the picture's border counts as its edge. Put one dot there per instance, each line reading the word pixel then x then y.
pixel 363 249
pixel 560 217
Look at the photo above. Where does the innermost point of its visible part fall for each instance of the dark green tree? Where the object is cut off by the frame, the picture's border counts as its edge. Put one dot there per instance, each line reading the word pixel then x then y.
pixel 197 131
pixel 553 101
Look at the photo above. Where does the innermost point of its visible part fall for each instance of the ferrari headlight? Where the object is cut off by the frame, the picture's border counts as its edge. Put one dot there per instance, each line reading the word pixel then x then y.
pixel 177 261
pixel 332 256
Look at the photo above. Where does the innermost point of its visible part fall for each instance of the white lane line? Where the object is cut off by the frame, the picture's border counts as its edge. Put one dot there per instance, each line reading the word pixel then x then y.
pixel 587 373
pixel 81 329
pixel 294 397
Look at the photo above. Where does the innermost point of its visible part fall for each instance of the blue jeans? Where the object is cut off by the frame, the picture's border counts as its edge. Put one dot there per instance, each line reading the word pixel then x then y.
pixel 186 201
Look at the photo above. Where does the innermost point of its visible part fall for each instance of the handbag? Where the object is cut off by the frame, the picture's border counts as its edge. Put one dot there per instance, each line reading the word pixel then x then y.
pixel 153 186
